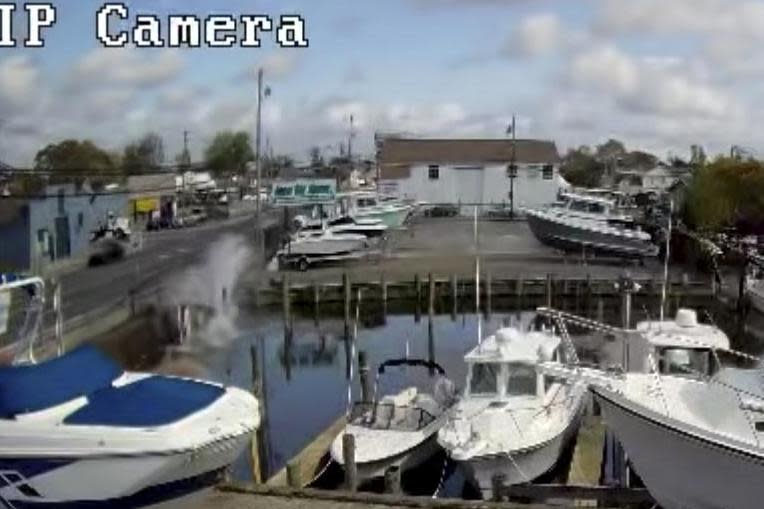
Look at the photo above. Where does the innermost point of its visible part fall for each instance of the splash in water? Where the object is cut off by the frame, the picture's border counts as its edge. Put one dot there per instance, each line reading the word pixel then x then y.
pixel 211 286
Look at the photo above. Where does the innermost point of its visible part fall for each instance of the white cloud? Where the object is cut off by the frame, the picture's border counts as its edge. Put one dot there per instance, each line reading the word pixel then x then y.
pixel 536 35
pixel 128 66
pixel 18 81
pixel 648 85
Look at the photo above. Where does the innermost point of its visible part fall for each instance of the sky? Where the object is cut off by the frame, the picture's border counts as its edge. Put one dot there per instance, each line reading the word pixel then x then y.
pixel 659 75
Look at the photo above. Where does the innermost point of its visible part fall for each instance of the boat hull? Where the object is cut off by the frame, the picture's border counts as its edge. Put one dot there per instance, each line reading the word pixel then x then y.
pixel 406 460
pixel 568 237
pixel 521 466
pixel 392 218
pixel 682 470
pixel 324 247
pixel 156 480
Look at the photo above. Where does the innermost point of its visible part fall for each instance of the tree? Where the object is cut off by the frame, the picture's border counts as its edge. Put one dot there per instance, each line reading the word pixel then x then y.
pixel 316 159
pixel 274 165
pixel 581 168
pixel 143 156
pixel 611 150
pixel 637 159
pixel 74 157
pixel 697 157
pixel 727 193
pixel 229 152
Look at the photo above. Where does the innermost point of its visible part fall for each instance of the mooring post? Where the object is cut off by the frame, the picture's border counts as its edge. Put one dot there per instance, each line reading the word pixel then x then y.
pixel 393 480
pixel 348 457
pixel 549 289
pixel 383 286
pixel 454 297
pixel 316 302
pixel 257 389
pixel 431 295
pixel 346 289
pixel 600 310
pixel 488 301
pixel 285 305
pixel 363 373
pixel 497 486
pixel 293 474
pixel 417 298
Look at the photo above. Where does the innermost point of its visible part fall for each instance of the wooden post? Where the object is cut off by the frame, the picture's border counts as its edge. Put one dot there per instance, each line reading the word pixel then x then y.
pixel 258 448
pixel 600 310
pixel 293 474
pixel 454 297
pixel 363 374
pixel 316 302
pixel 393 480
pixel 383 285
pixel 488 303
pixel 549 289
pixel 714 286
pixel 348 456
pixel 431 320
pixel 431 295
pixel 285 306
pixel 497 486
pixel 588 295
pixel 417 298
pixel 346 289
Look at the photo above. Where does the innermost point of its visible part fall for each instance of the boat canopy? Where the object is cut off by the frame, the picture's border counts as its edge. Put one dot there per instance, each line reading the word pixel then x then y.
pixel 411 362
pixel 684 332
pixel 512 345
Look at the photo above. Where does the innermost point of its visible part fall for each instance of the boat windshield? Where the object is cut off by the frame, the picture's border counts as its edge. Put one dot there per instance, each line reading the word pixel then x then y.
pixel 587 206
pixel 389 416
pixel 483 378
pixel 685 362
pixel 521 380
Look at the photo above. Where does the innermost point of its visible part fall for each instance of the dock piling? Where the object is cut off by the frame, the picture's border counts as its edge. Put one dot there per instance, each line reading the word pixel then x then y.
pixel 348 456
pixel 497 486
pixel 454 297
pixel 293 474
pixel 363 373
pixel 417 298
pixel 285 307
pixel 393 480
pixel 383 285
pixel 548 290
pixel 488 295
pixel 346 290
pixel 316 302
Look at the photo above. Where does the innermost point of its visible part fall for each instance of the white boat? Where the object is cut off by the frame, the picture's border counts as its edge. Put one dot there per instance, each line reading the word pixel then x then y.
pixel 370 205
pixel 397 430
pixel 78 431
pixel 692 426
pixel 589 223
pixel 341 225
pixel 320 242
pixel 512 421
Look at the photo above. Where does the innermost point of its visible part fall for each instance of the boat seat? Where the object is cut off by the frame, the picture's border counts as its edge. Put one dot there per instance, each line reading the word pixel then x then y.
pixel 25 389
pixel 149 402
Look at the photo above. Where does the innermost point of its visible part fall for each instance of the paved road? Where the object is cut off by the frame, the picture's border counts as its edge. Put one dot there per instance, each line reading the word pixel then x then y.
pixel 163 254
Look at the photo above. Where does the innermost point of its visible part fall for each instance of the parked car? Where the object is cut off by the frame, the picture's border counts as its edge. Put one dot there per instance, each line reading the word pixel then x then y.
pixel 195 216
pixel 441 211
pixel 105 251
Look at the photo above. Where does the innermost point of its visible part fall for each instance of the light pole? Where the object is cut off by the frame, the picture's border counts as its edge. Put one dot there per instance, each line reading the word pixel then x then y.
pixel 260 94
pixel 512 171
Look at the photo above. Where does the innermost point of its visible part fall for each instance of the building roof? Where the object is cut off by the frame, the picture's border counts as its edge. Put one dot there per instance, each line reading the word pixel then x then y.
pixel 397 155
pixel 161 184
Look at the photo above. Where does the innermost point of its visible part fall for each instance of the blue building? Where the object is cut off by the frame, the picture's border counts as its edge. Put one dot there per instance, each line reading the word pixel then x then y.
pixel 53 226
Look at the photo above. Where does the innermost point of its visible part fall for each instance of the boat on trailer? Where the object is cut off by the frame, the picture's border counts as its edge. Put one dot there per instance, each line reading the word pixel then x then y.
pixel 589 224
pixel 397 430
pixel 79 431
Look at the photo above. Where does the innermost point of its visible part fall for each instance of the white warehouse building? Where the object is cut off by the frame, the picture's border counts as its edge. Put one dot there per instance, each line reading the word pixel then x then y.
pixel 470 171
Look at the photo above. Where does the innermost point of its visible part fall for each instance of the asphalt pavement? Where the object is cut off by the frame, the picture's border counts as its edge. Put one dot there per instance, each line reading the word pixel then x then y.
pixel 162 255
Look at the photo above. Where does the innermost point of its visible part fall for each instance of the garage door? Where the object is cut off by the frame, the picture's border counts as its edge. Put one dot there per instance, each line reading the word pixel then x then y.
pixel 469 187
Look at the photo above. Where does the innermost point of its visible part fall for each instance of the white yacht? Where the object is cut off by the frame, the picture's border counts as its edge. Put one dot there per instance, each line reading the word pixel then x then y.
pixel 400 429
pixel 512 420
pixel 321 242
pixel 589 223
pixel 370 205
pixel 78 431
pixel 688 412
pixel 370 228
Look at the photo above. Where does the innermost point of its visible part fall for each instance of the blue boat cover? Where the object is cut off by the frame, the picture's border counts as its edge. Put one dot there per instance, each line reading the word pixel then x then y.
pixel 153 401
pixel 36 387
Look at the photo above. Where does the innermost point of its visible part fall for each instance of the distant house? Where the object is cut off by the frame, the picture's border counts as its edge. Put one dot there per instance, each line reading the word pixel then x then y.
pixel 470 171
pixel 657 180
pixel 151 196
pixel 53 226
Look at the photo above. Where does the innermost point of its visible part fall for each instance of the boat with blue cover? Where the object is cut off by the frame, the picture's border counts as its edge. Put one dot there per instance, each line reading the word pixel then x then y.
pixel 78 431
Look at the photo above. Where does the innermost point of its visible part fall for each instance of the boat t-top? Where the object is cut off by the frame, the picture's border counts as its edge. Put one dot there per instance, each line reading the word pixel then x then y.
pixel 371 205
pixel 79 431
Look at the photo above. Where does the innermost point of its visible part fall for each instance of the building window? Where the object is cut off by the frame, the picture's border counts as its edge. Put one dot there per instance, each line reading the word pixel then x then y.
pixel 511 171
pixel 433 172
pixel 548 172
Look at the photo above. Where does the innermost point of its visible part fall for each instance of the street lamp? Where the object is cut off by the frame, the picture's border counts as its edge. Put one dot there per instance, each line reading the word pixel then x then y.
pixel 260 94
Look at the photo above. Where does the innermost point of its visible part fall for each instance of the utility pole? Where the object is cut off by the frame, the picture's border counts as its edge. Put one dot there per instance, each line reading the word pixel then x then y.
pixel 350 143
pixel 258 225
pixel 512 171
